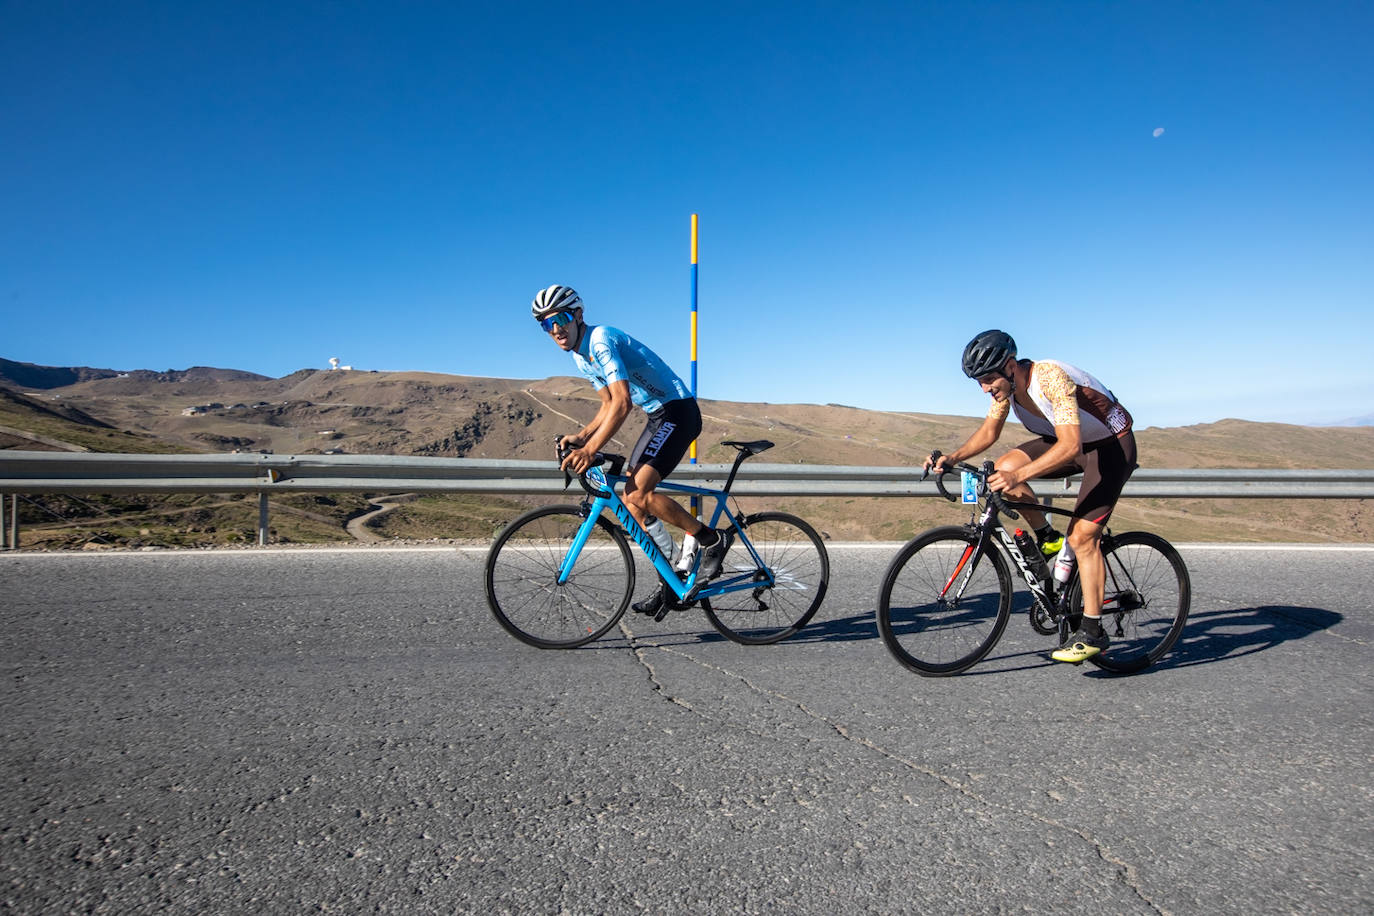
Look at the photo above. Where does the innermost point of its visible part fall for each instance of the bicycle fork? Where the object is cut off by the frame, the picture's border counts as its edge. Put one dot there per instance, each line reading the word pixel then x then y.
pixel 966 562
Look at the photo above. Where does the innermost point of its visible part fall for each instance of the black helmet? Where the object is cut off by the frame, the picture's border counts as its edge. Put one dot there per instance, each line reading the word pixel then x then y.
pixel 988 352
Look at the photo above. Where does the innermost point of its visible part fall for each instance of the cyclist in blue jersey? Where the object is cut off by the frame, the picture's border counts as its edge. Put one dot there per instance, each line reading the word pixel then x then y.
pixel 627 374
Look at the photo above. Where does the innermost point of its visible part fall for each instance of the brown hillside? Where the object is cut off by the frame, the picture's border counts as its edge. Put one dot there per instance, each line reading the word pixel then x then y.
pixel 416 413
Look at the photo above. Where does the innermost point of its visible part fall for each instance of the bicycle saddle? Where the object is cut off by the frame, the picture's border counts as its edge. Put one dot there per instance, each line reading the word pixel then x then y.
pixel 753 448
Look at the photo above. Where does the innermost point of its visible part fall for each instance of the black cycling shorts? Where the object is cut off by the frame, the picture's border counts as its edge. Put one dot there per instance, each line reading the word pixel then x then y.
pixel 1106 465
pixel 669 433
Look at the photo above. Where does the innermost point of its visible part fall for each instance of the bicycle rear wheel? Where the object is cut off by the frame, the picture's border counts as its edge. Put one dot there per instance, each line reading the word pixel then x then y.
pixel 1146 600
pixel 943 606
pixel 522 579
pixel 796 557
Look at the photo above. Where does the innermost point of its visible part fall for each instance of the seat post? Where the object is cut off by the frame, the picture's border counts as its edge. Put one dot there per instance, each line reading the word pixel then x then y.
pixel 739 459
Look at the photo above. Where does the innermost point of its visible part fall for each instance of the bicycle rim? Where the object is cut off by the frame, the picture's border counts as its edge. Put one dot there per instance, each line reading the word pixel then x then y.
pixel 522 579
pixel 1146 600
pixel 794 554
pixel 942 608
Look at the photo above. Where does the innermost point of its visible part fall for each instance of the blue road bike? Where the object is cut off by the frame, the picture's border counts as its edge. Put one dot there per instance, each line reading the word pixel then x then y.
pixel 561 576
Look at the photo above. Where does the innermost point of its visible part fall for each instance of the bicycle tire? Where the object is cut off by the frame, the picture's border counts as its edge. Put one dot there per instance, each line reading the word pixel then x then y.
pixel 800 565
pixel 921 626
pixel 522 579
pixel 1146 601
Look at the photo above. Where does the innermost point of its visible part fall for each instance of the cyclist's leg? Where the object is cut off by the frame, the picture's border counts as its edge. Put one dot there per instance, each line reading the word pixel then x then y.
pixel 643 500
pixel 1085 537
pixel 665 440
pixel 1107 465
pixel 1021 456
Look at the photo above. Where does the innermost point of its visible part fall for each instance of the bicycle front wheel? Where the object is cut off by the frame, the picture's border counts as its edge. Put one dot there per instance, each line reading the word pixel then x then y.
pixel 1146 600
pixel 793 553
pixel 943 605
pixel 522 579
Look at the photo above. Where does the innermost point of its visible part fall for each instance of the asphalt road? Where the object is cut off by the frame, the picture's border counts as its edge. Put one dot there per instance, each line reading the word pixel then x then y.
pixel 349 731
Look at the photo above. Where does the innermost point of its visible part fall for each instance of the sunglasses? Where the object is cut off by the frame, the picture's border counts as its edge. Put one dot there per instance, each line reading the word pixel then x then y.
pixel 556 320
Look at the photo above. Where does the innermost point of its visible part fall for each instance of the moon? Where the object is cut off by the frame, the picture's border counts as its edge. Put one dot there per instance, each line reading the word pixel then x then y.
pixel 1158 132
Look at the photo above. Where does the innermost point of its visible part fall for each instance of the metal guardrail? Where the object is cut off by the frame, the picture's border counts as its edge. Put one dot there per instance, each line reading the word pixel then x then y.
pixel 65 472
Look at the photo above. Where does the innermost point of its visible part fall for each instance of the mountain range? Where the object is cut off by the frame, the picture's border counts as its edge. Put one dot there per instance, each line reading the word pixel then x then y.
pixel 415 413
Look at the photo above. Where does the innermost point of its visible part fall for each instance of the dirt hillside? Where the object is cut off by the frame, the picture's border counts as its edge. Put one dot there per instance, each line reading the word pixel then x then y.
pixel 414 413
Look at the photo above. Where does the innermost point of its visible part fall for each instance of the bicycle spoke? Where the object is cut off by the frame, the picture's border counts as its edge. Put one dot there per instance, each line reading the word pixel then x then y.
pixel 939 612
pixel 792 553
pixel 522 579
pixel 1146 600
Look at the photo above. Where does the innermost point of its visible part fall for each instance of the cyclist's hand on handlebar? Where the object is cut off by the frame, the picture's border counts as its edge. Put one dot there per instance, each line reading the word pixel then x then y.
pixel 936 462
pixel 578 460
pixel 562 445
pixel 1001 481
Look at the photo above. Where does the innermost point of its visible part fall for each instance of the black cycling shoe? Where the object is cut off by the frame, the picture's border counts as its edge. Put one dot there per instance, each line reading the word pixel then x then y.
pixel 654 605
pixel 713 556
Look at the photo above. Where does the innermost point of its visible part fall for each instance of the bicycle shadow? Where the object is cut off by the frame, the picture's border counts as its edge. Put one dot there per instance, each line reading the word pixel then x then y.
pixel 842 629
pixel 1208 638
pixel 1235 633
pixel 839 629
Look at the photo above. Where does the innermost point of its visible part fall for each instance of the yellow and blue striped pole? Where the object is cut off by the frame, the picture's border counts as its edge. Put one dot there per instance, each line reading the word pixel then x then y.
pixel 692 449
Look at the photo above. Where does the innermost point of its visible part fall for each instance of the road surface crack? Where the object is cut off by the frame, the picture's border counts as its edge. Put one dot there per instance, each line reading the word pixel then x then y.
pixel 1126 872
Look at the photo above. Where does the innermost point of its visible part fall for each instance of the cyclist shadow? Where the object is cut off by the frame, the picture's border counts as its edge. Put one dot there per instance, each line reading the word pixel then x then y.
pixel 1215 636
pixel 1227 634
pixel 839 629
pixel 1209 637
pixel 842 629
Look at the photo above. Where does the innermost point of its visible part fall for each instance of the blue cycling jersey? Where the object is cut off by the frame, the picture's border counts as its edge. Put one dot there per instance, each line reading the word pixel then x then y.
pixel 606 354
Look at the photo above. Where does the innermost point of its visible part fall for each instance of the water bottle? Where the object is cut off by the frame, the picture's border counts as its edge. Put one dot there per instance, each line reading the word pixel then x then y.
pixel 688 555
pixel 1031 551
pixel 662 537
pixel 1063 564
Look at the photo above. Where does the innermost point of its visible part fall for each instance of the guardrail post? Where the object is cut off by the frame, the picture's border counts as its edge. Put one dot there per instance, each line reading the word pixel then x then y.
pixel 262 518
pixel 4 532
pixel 14 521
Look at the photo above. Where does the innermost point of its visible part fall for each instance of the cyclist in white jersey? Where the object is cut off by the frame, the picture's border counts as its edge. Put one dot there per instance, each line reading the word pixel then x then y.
pixel 626 374
pixel 1082 429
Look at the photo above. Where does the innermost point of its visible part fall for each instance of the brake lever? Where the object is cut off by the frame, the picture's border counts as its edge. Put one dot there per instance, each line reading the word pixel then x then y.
pixel 989 468
pixel 559 456
pixel 935 456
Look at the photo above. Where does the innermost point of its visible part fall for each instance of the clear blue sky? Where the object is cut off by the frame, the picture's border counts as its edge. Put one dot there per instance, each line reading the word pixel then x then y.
pixel 264 185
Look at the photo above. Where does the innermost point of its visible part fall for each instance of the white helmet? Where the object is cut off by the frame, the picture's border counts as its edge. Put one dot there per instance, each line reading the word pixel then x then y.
pixel 554 299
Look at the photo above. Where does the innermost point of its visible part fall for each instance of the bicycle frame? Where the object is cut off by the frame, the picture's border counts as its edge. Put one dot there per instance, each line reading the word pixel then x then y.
pixel 686 591
pixel 1043 592
pixel 985 526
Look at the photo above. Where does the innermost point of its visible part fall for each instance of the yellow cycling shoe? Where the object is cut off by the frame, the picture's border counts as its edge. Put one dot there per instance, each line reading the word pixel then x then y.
pixel 1052 544
pixel 1080 647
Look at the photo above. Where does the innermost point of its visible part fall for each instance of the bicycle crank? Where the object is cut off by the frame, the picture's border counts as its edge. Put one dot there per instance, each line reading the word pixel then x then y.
pixel 1042 621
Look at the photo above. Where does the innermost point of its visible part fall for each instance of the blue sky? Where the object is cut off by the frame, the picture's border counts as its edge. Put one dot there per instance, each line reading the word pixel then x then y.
pixel 263 186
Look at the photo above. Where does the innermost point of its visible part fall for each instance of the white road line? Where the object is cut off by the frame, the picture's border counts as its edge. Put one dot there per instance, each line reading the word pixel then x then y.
pixel 887 546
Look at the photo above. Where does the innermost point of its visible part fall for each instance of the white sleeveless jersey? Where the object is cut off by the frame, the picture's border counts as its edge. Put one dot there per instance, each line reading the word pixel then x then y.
pixel 1068 396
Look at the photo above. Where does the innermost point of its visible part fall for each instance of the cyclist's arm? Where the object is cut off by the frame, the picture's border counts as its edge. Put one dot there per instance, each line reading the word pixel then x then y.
pixel 610 416
pixel 1062 394
pixel 981 440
